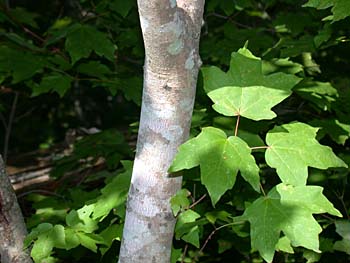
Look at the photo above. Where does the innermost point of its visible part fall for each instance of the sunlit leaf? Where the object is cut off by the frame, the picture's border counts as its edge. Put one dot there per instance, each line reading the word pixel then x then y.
pixel 287 209
pixel 220 158
pixel 293 148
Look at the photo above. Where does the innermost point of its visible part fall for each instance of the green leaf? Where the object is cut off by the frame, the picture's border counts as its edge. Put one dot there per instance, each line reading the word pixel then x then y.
pixel 311 256
pixel 253 102
pixel 293 147
pixel 47 237
pixel 15 63
pixel 21 41
pixel 321 94
pixel 72 239
pixel 185 229
pixel 41 228
pixel 220 215
pixel 80 220
pixel 284 245
pixel 343 229
pixel 291 47
pixel 339 132
pixel 131 88
pixel 24 17
pixel 340 8
pixel 175 255
pixel 246 71
pixel 281 65
pixel 60 62
pixel 93 40
pixel 180 201
pixel 114 193
pixel 55 82
pixel 323 35
pixel 111 233
pixel 95 69
pixel 220 158
pixel 122 7
pixel 90 241
pixel 47 209
pixel 288 209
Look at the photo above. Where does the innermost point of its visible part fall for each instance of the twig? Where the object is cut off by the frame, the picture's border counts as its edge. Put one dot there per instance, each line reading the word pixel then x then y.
pixel 24 114
pixel 198 201
pixel 27 30
pixel 184 254
pixel 341 199
pixel 40 191
pixel 237 124
pixel 213 233
pixel 9 127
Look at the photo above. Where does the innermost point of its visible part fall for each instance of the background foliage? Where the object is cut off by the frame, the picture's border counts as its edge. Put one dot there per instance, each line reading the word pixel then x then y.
pixel 71 80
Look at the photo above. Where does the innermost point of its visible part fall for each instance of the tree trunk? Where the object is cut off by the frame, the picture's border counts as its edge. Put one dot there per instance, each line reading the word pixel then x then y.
pixel 171 31
pixel 12 227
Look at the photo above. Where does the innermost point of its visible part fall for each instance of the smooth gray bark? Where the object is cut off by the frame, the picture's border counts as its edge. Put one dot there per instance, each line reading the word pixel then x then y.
pixel 12 227
pixel 171 31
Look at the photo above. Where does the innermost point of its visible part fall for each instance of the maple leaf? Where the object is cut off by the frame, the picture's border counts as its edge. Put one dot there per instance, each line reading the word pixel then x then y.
pixel 254 102
pixel 220 158
pixel 287 209
pixel 93 40
pixel 244 90
pixel 340 8
pixel 293 147
pixel 343 229
pixel 245 71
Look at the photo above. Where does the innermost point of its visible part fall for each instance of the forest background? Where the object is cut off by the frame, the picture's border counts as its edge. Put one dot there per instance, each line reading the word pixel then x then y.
pixel 71 77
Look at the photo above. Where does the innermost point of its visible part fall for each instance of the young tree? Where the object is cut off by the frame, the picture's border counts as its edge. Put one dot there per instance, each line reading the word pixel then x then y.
pixel 171 31
pixel 12 227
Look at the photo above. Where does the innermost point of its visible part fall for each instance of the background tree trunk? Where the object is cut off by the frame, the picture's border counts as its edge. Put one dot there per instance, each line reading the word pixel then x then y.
pixel 12 227
pixel 171 31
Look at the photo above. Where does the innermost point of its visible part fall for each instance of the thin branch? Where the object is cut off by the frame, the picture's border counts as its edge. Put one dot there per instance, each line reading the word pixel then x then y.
pixel 341 199
pixel 217 15
pixel 18 118
pixel 9 126
pixel 328 218
pixel 184 254
pixel 40 191
pixel 213 233
pixel 198 201
pixel 237 124
pixel 25 29
pixel 28 31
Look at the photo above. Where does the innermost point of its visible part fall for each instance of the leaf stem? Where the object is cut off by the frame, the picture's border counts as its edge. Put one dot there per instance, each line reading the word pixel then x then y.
pixel 259 147
pixel 237 124
pixel 262 190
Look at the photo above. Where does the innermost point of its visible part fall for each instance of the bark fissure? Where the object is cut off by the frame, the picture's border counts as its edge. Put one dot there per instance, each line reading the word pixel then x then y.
pixel 171 31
